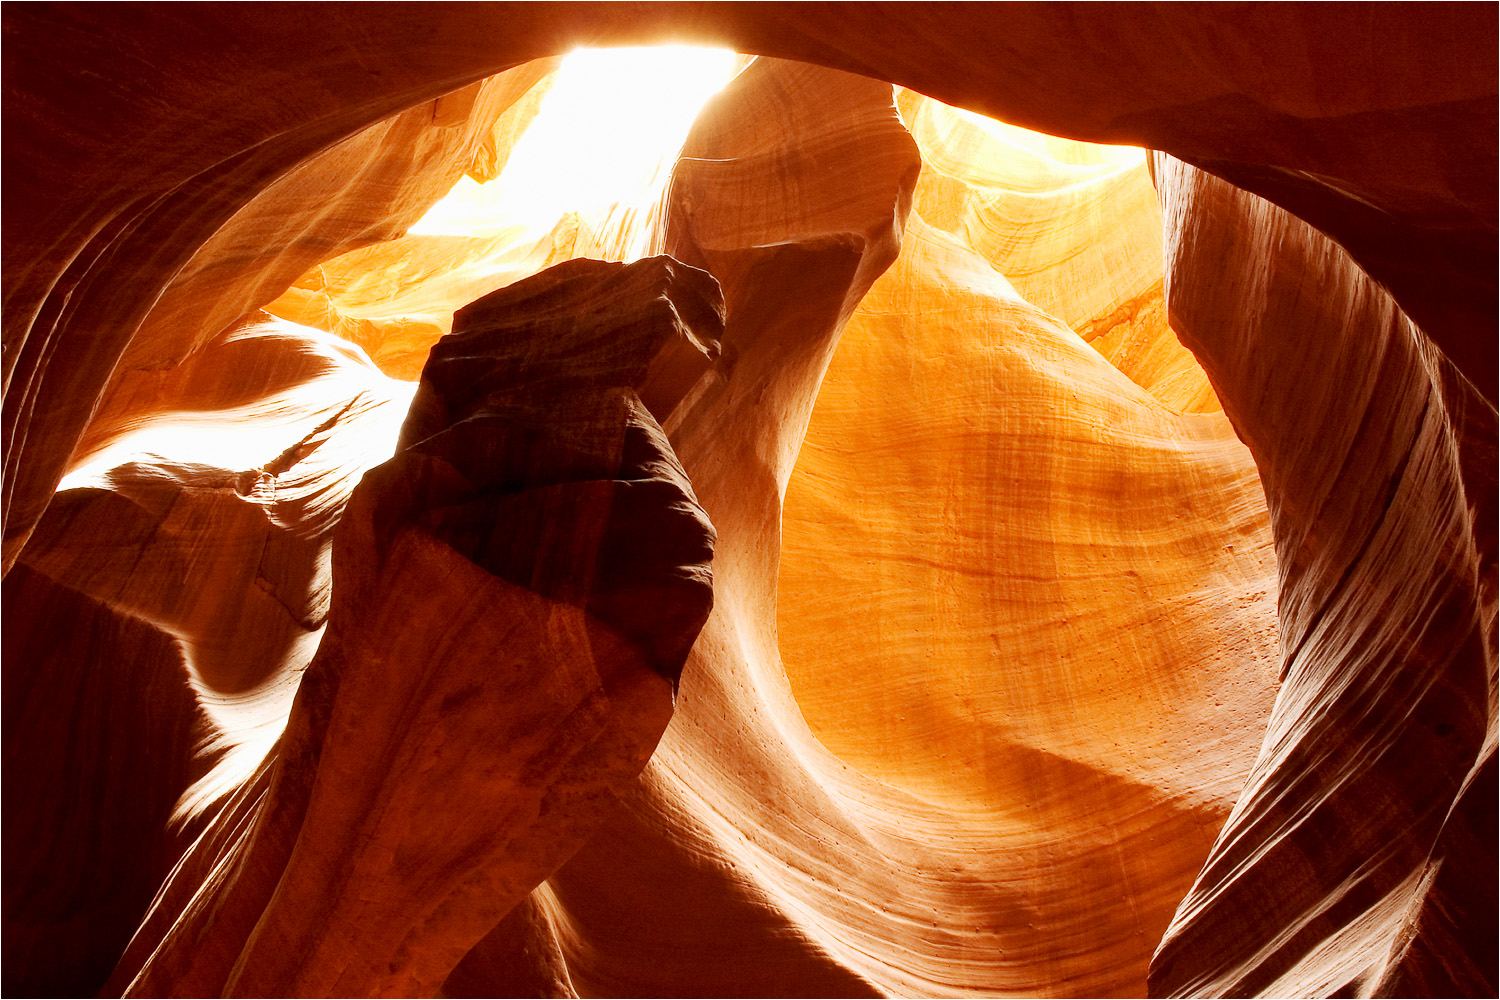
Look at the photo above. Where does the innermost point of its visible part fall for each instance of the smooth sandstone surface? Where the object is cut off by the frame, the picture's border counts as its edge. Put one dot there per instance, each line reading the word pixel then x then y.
pixel 1074 227
pixel 361 191
pixel 1018 588
pixel 499 657
pixel 1383 504
pixel 196 585
pixel 1373 121
pixel 992 653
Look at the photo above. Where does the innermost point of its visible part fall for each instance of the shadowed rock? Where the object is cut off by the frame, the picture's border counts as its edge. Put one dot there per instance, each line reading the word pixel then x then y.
pixel 499 658
pixel 170 169
pixel 1383 508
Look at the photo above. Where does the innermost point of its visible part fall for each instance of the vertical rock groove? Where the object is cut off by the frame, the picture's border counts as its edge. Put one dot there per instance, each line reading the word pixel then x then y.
pixel 499 658
pixel 1120 620
pixel 1386 601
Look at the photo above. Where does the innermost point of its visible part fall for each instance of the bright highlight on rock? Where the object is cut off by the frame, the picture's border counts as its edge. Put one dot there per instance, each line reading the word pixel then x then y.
pixel 601 147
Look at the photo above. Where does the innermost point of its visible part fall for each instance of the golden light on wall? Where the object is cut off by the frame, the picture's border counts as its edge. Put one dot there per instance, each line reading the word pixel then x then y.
pixel 583 178
pixel 601 147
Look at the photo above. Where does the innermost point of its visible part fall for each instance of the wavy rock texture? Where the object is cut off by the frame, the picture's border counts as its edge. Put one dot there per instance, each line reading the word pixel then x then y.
pixel 1374 122
pixel 727 870
pixel 195 585
pixel 499 657
pixel 366 189
pixel 316 297
pixel 1055 627
pixel 155 199
pixel 1383 504
pixel 573 182
pixel 1074 227
pixel 222 544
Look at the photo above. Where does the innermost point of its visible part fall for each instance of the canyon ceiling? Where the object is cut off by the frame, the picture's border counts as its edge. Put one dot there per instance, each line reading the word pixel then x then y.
pixel 899 554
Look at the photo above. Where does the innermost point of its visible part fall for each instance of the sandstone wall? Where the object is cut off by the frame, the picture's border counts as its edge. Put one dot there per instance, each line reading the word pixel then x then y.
pixel 1000 550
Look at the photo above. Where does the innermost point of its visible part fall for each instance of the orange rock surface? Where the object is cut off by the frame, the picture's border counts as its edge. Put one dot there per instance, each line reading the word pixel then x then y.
pixel 951 560
pixel 428 778
pixel 1383 504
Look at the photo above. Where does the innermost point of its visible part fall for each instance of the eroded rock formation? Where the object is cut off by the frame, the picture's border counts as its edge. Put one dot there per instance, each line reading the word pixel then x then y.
pixel 992 574
pixel 513 596
pixel 372 724
pixel 1383 503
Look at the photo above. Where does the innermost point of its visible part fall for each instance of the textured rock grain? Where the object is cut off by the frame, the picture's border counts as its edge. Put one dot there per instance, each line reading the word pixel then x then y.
pixel 499 658
pixel 1018 588
pixel 1374 122
pixel 949 572
pixel 1384 526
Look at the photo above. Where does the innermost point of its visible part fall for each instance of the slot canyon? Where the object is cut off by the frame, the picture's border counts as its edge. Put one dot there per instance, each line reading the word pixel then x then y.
pixel 750 499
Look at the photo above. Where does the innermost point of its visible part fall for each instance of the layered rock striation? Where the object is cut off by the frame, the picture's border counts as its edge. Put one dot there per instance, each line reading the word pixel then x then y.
pixel 1034 659
pixel 499 657
pixel 1383 505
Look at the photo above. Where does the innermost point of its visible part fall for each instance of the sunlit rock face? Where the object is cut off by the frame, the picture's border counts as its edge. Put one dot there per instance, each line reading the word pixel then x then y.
pixel 499 659
pixel 579 168
pixel 1017 587
pixel 1384 524
pixel 1074 227
pixel 865 592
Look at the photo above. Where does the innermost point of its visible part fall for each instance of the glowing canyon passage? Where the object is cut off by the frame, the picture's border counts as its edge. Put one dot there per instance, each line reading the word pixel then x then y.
pixel 990 500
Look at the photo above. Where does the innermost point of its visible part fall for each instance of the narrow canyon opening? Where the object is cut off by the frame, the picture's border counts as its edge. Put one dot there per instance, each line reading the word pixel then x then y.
pixel 665 520
pixel 996 551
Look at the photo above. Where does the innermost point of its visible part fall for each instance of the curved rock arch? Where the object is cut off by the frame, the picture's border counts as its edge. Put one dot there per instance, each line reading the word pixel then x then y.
pixel 1411 140
pixel 201 102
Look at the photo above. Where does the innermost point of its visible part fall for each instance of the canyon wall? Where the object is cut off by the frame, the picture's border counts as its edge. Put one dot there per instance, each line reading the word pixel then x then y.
pixel 1375 120
pixel 1048 658
pixel 1382 500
